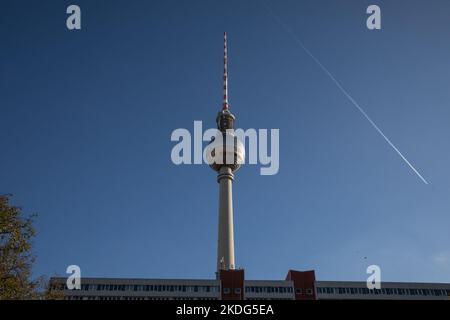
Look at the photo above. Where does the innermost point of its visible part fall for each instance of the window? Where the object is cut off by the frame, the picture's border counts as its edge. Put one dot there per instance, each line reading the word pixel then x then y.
pixel 309 291
pixel 237 290
pixel 226 290
pixel 298 291
pixel 437 292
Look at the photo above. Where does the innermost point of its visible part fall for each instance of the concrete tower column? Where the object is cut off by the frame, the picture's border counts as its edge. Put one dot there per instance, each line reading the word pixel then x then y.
pixel 225 244
pixel 225 155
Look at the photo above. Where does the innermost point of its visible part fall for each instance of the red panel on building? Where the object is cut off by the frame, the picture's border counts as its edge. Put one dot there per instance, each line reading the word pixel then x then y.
pixel 232 284
pixel 304 281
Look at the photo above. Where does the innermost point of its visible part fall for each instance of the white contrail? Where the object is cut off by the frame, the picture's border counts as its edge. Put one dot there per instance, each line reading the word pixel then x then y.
pixel 353 101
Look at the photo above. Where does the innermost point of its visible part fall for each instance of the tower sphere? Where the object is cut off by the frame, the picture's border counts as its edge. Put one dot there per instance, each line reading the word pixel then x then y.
pixel 225 149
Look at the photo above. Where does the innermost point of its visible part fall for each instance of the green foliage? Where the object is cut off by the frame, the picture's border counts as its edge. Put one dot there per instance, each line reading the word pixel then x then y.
pixel 16 256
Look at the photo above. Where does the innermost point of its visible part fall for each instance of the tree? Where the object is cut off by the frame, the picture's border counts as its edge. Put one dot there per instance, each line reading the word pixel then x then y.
pixel 16 256
pixel 50 290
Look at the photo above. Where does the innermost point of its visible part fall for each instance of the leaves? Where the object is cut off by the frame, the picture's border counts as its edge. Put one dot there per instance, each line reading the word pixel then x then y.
pixel 16 257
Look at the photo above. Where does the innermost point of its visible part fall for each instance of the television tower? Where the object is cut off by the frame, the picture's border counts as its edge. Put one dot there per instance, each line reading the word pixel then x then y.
pixel 225 154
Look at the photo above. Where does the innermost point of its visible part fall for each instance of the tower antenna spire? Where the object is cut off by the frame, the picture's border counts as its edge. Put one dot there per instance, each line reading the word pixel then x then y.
pixel 225 72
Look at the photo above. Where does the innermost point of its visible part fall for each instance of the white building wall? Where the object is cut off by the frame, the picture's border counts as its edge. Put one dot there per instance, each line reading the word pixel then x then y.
pixel 388 291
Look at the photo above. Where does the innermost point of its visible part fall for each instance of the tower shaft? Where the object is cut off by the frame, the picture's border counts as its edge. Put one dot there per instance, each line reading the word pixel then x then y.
pixel 225 245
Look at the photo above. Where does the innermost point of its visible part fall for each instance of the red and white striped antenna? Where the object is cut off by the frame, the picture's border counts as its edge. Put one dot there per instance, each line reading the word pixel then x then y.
pixel 225 72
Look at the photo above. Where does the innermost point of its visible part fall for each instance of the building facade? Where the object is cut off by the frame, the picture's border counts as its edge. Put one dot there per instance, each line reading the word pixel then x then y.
pixel 231 285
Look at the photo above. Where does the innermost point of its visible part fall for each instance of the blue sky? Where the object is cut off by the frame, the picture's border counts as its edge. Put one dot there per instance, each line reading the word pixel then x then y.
pixel 87 117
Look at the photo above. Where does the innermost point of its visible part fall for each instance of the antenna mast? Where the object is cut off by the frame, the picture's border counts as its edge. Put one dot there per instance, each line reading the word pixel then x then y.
pixel 225 72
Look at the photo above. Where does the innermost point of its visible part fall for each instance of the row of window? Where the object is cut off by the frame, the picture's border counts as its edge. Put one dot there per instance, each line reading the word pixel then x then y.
pixel 385 291
pixel 308 291
pixel 175 288
pixel 228 290
pixel 135 298
pixel 259 289
pixel 179 288
pixel 151 287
